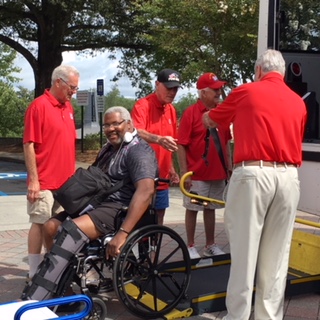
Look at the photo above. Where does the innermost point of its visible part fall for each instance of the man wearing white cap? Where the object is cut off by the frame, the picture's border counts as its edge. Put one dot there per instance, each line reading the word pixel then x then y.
pixel 198 152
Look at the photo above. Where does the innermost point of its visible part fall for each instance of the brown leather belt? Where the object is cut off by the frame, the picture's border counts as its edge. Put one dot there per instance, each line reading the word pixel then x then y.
pixel 261 163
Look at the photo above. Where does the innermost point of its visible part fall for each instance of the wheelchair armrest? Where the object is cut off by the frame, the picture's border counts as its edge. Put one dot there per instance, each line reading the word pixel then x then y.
pixel 107 238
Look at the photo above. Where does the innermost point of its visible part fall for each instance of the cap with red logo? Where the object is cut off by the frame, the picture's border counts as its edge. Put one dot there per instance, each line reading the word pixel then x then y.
pixel 170 78
pixel 209 80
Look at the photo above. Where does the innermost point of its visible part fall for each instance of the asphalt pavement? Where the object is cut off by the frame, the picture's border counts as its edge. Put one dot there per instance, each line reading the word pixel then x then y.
pixel 12 177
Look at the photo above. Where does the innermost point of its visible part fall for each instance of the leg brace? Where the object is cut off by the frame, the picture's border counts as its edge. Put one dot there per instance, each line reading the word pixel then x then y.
pixel 69 241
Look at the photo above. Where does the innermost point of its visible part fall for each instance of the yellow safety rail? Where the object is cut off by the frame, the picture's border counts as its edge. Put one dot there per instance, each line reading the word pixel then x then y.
pixel 195 197
pixel 205 200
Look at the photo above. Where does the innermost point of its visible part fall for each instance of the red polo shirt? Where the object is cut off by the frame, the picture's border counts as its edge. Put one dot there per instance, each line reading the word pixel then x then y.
pixel 268 120
pixel 50 125
pixel 149 114
pixel 192 134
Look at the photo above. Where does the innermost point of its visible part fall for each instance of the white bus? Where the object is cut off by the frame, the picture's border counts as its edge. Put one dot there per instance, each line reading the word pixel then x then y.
pixel 293 27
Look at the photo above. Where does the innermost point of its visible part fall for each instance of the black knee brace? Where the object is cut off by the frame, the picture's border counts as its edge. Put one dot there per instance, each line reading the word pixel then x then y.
pixel 69 241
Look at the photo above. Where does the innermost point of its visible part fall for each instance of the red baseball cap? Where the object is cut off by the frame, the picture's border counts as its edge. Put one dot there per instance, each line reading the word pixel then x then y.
pixel 209 80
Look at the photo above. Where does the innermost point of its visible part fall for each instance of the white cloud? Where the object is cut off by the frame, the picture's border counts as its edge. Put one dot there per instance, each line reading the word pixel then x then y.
pixel 91 69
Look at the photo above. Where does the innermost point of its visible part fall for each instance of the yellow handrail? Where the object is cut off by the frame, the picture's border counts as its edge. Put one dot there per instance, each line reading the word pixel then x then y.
pixel 203 200
pixel 308 223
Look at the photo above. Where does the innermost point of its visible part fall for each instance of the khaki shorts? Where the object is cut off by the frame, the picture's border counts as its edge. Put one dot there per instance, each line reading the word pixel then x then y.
pixel 210 189
pixel 44 208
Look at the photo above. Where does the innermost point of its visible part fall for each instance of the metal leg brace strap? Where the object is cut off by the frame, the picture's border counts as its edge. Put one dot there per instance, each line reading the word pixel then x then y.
pixel 68 242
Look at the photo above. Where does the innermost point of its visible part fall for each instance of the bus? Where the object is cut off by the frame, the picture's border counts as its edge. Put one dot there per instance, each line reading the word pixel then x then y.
pixel 293 27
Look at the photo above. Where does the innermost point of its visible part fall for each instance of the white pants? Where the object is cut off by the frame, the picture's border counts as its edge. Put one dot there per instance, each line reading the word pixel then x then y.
pixel 259 219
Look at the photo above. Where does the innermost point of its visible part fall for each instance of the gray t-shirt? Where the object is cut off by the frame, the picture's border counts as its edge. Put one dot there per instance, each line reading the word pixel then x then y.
pixel 135 159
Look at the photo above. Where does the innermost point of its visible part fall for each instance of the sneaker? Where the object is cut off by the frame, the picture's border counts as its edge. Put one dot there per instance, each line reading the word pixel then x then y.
pixel 212 250
pixel 193 253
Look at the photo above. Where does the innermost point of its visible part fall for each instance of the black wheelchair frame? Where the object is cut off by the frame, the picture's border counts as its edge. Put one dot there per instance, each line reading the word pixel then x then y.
pixel 150 276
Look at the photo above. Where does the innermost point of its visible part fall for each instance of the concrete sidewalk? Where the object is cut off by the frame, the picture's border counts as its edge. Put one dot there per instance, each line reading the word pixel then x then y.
pixel 14 227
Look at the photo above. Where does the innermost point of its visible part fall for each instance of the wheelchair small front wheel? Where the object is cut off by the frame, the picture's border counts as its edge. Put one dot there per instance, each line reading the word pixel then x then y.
pixel 152 272
pixel 99 309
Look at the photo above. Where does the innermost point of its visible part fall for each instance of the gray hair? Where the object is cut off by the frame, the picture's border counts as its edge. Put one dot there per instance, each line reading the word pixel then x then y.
pixel 124 113
pixel 271 60
pixel 64 72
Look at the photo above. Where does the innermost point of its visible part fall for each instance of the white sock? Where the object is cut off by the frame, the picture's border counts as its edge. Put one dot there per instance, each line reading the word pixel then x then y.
pixel 34 261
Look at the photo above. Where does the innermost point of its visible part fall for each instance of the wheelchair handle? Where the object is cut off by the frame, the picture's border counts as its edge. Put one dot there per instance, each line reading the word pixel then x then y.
pixel 157 181
pixel 198 199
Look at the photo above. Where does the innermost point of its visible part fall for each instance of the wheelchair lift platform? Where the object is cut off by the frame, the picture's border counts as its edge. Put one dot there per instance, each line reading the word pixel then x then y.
pixel 209 276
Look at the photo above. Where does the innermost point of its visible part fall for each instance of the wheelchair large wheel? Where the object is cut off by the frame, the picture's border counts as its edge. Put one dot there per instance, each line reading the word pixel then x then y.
pixel 152 272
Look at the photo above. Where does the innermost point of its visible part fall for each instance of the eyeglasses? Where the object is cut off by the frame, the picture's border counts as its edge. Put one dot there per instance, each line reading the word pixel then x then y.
pixel 113 124
pixel 72 88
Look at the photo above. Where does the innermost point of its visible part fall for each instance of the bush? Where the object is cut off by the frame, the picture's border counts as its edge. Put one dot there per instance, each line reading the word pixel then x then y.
pixel 92 141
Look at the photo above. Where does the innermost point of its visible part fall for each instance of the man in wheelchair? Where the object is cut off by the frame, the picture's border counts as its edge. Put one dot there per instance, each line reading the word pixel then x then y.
pixel 124 155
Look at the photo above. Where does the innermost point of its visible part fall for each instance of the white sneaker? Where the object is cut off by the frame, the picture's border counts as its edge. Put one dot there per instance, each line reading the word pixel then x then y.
pixel 213 250
pixel 193 253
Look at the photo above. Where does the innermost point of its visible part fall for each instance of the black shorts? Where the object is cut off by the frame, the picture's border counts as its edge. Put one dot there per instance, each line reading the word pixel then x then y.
pixel 103 217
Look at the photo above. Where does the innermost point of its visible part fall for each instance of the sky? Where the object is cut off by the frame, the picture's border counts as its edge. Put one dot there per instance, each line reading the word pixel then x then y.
pixel 91 69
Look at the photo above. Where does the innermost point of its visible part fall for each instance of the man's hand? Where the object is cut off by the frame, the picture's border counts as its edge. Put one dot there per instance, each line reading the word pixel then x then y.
pixel 208 123
pixel 168 143
pixel 114 246
pixel 174 178
pixel 188 184
pixel 33 191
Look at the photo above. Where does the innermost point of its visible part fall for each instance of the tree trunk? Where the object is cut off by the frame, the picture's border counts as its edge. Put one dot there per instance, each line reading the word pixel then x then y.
pixel 43 77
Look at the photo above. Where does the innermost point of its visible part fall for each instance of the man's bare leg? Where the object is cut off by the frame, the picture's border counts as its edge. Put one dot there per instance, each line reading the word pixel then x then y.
pixel 160 214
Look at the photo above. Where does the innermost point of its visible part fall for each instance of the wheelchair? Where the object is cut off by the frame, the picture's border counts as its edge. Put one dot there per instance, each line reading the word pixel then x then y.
pixel 150 276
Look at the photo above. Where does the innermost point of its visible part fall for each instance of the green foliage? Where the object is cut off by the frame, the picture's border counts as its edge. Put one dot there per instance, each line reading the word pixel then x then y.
pixel 92 141
pixel 196 36
pixel 77 112
pixel 192 36
pixel 12 103
pixel 300 25
pixel 184 102
pixel 12 109
pixel 114 98
pixel 7 56
pixel 42 30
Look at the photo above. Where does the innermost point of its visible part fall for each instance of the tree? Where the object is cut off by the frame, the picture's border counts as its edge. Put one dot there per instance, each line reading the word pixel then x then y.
pixel 13 106
pixel 192 36
pixel 114 98
pixel 7 56
pixel 12 103
pixel 184 102
pixel 196 36
pixel 42 30
pixel 300 25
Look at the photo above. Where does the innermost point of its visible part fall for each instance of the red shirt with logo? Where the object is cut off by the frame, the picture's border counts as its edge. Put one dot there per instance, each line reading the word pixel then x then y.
pixel 268 120
pixel 150 115
pixel 50 126
pixel 192 135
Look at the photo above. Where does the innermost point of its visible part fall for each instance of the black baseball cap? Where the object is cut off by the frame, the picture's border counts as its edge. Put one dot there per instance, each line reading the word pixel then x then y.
pixel 170 78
